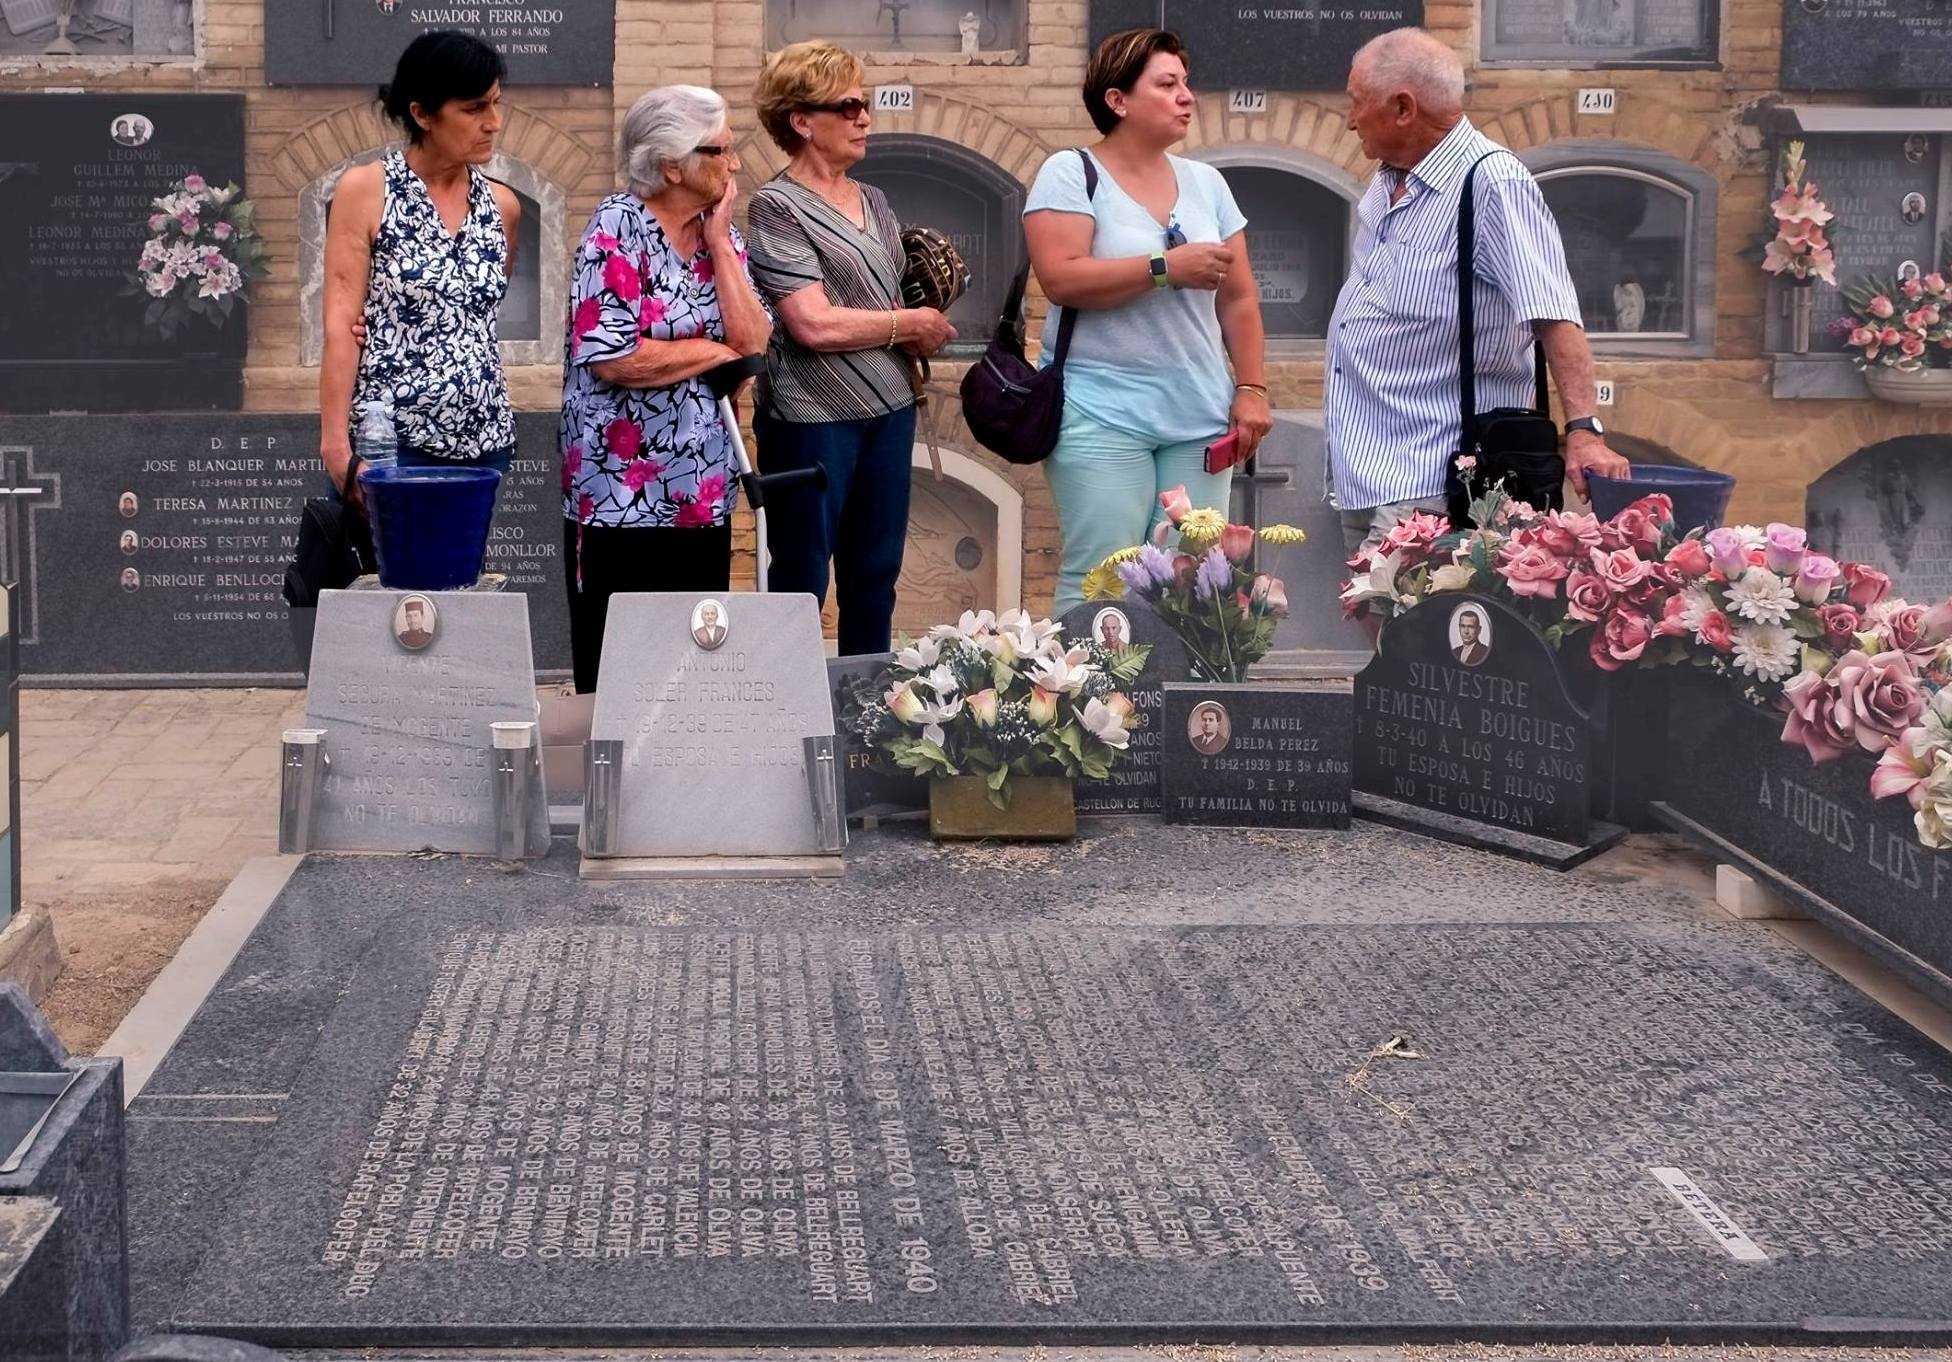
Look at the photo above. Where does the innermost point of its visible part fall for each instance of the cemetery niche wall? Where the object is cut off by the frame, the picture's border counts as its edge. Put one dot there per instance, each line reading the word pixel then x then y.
pixel 989 29
pixel 97 28
pixel 321 42
pixel 1299 219
pixel 1296 46
pixel 1601 33
pixel 1867 45
pixel 78 174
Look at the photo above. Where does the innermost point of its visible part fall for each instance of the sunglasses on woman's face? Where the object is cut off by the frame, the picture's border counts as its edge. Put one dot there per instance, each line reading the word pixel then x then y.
pixel 850 109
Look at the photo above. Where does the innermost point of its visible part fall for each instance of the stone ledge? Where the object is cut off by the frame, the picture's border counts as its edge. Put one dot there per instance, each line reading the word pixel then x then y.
pixel 29 954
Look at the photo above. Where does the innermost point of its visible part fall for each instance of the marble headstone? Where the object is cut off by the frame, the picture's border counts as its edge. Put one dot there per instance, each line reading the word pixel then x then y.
pixel 75 202
pixel 711 697
pixel 1133 785
pixel 1302 46
pixel 357 44
pixel 406 718
pixel 1601 32
pixel 870 783
pixel 1891 506
pixel 1852 45
pixel 1885 188
pixel 1256 755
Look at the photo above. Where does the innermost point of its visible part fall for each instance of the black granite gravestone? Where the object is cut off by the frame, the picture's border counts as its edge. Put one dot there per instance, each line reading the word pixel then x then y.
pixel 75 204
pixel 1133 785
pixel 357 42
pixel 1298 46
pixel 153 548
pixel 1256 756
pixel 871 784
pixel 1890 505
pixel 1602 32
pixel 1854 45
pixel 1464 730
pixel 1884 189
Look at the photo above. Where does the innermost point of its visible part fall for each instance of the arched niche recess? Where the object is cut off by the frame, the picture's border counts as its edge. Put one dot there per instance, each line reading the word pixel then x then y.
pixel 1300 214
pixel 1639 232
pixel 532 313
pixel 1890 505
pixel 967 197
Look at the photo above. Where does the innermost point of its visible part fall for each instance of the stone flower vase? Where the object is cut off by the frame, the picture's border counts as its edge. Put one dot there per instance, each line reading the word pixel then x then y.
pixel 1041 810
pixel 1917 387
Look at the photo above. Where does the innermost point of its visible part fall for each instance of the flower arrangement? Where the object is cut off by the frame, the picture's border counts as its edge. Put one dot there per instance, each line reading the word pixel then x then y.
pixel 1207 593
pixel 203 253
pixel 1002 695
pixel 1850 666
pixel 1800 245
pixel 1899 324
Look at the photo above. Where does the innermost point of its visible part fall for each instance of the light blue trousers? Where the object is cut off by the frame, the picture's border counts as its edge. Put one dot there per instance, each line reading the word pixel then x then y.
pixel 1107 483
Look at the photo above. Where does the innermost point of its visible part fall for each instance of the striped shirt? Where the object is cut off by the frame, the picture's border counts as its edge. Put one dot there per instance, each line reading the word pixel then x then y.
pixel 795 238
pixel 1390 393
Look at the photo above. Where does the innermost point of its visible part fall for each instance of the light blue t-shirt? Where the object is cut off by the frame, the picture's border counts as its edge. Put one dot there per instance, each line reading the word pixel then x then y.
pixel 1156 366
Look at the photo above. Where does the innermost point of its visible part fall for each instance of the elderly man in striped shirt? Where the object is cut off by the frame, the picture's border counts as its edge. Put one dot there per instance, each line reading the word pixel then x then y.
pixel 1392 404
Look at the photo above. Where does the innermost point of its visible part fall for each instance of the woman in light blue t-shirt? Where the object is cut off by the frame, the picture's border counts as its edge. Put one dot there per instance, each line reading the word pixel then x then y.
pixel 1155 262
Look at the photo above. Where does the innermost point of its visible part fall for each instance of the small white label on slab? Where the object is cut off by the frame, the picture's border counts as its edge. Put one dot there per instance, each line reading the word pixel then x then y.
pixel 894 99
pixel 1247 101
pixel 1603 391
pixel 1703 1208
pixel 1597 100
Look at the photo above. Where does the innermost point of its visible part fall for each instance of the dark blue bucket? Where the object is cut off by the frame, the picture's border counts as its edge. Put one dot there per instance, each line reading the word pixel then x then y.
pixel 1699 496
pixel 430 525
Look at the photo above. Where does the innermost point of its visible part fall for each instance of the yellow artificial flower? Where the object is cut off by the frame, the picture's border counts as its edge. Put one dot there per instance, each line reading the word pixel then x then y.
pixel 1125 555
pixel 1283 534
pixel 1202 527
pixel 1103 583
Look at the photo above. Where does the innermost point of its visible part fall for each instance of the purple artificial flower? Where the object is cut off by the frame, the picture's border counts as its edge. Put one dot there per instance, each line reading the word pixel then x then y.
pixel 1216 575
pixel 1132 572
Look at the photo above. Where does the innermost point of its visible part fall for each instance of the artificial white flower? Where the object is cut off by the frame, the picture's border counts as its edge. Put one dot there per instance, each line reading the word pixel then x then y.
pixel 159 285
pixel 942 681
pixel 1768 652
pixel 1762 596
pixel 973 626
pixel 1105 723
pixel 1062 672
pixel 1752 536
pixel 1697 604
pixel 1452 577
pixel 920 655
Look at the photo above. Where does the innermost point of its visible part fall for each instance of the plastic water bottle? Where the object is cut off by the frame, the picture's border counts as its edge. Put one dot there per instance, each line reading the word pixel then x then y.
pixel 376 442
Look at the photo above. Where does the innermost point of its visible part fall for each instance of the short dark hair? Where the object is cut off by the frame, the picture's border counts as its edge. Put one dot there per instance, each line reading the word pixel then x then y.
pixel 1117 65
pixel 437 67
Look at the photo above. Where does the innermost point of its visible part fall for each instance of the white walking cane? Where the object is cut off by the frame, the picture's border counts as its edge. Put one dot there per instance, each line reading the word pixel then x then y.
pixel 724 381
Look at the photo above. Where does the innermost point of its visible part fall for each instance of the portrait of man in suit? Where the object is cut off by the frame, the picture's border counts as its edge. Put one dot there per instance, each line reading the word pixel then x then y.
pixel 128 541
pixel 414 623
pixel 708 625
pixel 1112 630
pixel 1470 635
pixel 127 505
pixel 131 580
pixel 1208 728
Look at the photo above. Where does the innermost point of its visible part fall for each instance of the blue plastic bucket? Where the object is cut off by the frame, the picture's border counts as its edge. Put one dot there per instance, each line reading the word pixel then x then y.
pixel 1699 495
pixel 430 525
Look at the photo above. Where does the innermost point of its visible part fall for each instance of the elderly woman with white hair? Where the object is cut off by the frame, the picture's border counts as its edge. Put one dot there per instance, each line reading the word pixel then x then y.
pixel 659 295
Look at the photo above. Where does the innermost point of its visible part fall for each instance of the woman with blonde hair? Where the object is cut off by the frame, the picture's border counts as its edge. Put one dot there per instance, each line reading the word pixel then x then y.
pixel 826 250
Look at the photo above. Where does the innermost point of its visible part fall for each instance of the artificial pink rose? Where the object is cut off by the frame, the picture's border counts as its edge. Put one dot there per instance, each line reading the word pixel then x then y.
pixel 1586 596
pixel 221 231
pixel 1637 529
pixel 1530 571
pixel 1657 506
pixel 1935 283
pixel 1888 337
pixel 1880 307
pixel 1914 289
pixel 1621 570
pixel 1717 632
pixel 1237 542
pixel 1689 558
pixel 1176 504
pixel 1270 595
pixel 622 279
pixel 1671 624
pixel 1569 535
pixel 1418 530
pixel 983 706
pixel 624 438
pixel 157 222
pixel 1863 336
pixel 1815 719
pixel 1840 625
pixel 195 183
pixel 1864 585
pixel 638 472
pixel 1911 347
pixel 1880 696
pixel 187 221
pixel 1784 548
pixel 1915 630
pixel 1620 639
pixel 1816 579
pixel 1731 555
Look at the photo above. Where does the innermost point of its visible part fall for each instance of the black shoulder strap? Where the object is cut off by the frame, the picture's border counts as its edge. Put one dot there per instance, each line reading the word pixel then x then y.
pixel 1466 334
pixel 1012 322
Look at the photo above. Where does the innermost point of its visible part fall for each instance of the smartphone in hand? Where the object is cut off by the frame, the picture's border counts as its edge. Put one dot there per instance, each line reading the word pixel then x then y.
pixel 1224 452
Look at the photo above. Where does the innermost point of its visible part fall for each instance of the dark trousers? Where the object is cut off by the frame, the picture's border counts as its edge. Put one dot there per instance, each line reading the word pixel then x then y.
pixel 639 558
pixel 860 523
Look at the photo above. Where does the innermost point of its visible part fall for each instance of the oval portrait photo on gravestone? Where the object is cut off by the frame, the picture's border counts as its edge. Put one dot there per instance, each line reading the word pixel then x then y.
pixel 1208 728
pixel 415 622
pixel 129 542
pixel 1111 629
pixel 131 580
pixel 128 505
pixel 1470 635
pixel 131 130
pixel 709 623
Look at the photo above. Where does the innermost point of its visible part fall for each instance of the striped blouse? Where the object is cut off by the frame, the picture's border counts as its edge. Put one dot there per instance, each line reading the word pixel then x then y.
pixel 795 238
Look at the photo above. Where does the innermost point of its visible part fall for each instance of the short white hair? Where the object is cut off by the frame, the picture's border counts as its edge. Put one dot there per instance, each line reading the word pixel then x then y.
pixel 661 129
pixel 1413 59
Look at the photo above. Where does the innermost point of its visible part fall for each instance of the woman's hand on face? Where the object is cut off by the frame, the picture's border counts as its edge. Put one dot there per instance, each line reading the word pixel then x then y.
pixel 1252 417
pixel 718 219
pixel 931 331
pixel 1198 264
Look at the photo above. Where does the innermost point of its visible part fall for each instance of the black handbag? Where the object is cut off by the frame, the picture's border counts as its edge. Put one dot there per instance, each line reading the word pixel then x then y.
pixel 1517 445
pixel 1011 408
pixel 335 546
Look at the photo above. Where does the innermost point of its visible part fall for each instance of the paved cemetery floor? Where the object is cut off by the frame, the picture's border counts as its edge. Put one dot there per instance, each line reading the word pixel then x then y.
pixel 1159 1085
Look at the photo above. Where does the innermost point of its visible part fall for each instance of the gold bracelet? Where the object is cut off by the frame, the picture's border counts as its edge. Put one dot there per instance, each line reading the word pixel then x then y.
pixel 894 328
pixel 1260 388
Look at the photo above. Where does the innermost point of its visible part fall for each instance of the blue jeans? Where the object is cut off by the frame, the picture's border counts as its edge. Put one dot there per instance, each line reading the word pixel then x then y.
pixel 860 523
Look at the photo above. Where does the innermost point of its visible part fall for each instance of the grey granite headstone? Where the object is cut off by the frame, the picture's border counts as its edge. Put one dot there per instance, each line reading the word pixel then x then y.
pixel 407 730
pixel 1866 179
pixel 1890 506
pixel 1887 45
pixel 1602 32
pixel 1133 785
pixel 34 1274
pixel 357 43
pixel 1287 488
pixel 712 762
pixel 74 212
pixel 1302 46
pixel 1256 755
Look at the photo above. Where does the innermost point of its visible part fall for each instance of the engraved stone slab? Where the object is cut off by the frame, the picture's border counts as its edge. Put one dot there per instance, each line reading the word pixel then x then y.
pixel 1885 187
pixel 406 697
pixel 1601 32
pixel 871 784
pixel 711 696
pixel 1256 755
pixel 1133 785
pixel 1305 45
pixel 1890 505
pixel 1866 45
pixel 358 43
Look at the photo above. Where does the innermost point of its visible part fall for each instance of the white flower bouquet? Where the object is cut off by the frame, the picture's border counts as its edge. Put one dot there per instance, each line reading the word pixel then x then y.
pixel 203 253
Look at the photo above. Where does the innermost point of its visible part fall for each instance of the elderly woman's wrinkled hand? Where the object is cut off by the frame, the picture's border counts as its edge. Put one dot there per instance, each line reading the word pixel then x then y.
pixel 932 331
pixel 718 221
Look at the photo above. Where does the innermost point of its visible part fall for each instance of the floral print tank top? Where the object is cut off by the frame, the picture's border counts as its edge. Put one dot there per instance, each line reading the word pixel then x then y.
pixel 433 344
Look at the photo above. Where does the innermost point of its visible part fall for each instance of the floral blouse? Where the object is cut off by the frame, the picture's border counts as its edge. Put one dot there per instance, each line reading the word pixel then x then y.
pixel 641 456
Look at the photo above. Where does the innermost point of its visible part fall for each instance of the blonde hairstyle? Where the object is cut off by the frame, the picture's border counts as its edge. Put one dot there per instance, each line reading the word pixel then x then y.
pixel 799 75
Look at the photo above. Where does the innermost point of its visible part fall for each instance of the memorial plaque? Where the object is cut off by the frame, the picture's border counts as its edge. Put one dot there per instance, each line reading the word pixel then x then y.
pixel 360 41
pixel 97 28
pixel 1884 189
pixel 1277 47
pixel 1626 242
pixel 970 27
pixel 405 685
pixel 1297 239
pixel 1867 45
pixel 1256 756
pixel 711 697
pixel 78 174
pixel 871 783
pixel 1601 32
pixel 1133 785
pixel 1891 506
pixel 1464 714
